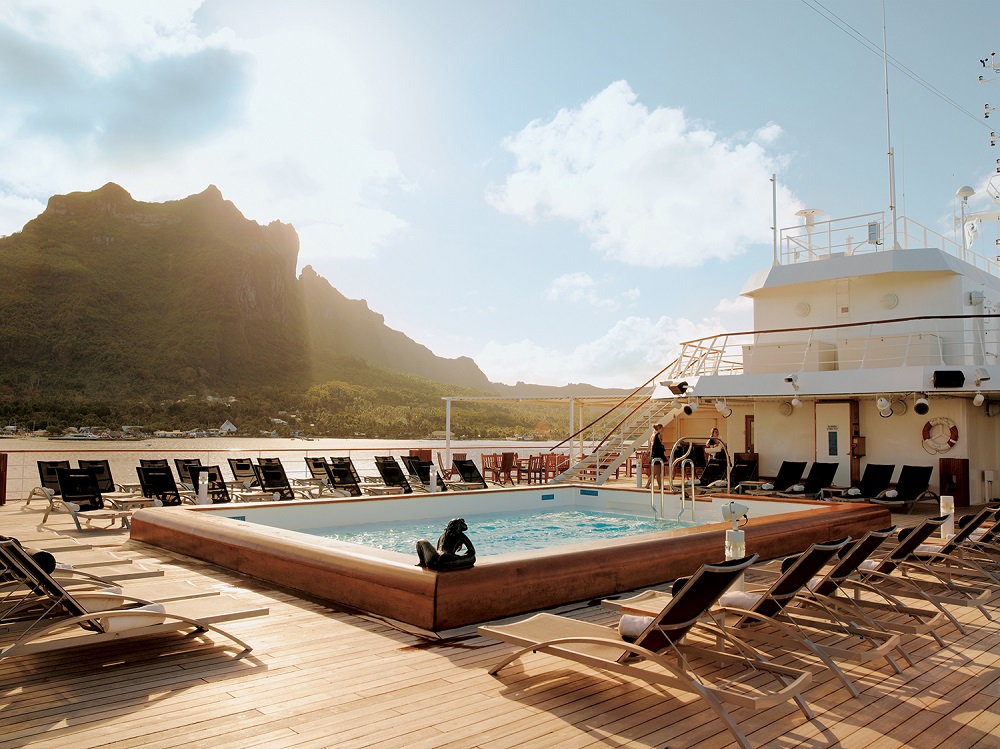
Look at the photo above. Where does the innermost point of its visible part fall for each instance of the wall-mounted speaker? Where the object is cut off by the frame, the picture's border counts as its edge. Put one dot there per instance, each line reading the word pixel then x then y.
pixel 948 378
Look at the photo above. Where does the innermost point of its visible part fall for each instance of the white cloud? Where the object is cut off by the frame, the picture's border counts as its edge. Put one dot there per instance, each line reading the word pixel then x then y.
pixel 577 288
pixel 133 93
pixel 628 354
pixel 649 188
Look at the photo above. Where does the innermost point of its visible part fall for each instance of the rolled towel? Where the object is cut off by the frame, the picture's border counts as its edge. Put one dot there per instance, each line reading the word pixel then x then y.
pixel 767 487
pixel 868 565
pixel 811 585
pixel 145 616
pixel 630 626
pixel 853 492
pixel 891 494
pixel 739 599
pixel 101 600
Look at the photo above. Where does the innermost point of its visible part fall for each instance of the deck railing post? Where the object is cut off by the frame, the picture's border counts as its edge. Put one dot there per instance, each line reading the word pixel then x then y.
pixel 3 478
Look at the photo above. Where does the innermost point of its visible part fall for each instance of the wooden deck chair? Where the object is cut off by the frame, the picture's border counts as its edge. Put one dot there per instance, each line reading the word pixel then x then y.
pixel 158 482
pixel 446 473
pixel 243 472
pixel 533 469
pixel 505 468
pixel 81 498
pixel 662 654
pixel 874 481
pixel 392 475
pixel 470 473
pixel 820 477
pixel 70 620
pixel 48 480
pixel 912 486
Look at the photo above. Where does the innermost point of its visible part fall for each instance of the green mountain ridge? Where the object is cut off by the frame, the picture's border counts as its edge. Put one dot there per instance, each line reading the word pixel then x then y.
pixel 113 297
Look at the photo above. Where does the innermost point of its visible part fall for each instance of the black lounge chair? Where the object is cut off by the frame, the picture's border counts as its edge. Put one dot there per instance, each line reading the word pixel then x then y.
pixel 49 480
pixel 912 486
pixel 216 488
pixel 81 497
pixel 874 481
pixel 470 474
pixel 662 646
pixel 820 477
pixel 243 472
pixel 272 479
pixel 154 463
pixel 392 475
pixel 182 470
pixel 789 473
pixel 157 482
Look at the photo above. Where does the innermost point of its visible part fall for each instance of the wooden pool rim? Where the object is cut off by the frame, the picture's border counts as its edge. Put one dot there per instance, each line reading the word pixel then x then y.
pixel 392 585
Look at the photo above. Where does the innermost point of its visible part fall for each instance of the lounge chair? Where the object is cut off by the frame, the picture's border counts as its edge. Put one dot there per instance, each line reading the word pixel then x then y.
pixel 696 667
pixel 272 479
pixel 81 498
pixel 182 464
pixel 243 473
pixel 97 617
pixel 912 486
pixel 789 473
pixel 392 475
pixel 319 476
pixel 470 473
pixel 105 481
pixel 820 477
pixel 344 478
pixel 217 491
pixel 49 481
pixel 158 482
pixel 874 482
pixel 766 617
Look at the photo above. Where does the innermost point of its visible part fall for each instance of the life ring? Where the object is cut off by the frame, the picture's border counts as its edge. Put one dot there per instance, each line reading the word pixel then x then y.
pixel 940 435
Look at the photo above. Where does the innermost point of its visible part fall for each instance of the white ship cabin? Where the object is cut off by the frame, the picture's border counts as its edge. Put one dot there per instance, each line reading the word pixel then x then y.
pixel 864 348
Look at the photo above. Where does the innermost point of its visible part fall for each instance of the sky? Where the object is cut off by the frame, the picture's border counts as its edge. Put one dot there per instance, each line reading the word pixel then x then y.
pixel 562 190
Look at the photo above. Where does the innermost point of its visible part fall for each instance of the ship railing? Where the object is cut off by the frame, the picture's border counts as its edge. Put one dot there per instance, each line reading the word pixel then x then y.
pixel 867 233
pixel 953 340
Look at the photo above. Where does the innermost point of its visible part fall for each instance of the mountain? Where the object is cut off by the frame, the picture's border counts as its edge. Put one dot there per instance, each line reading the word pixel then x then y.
pixel 108 294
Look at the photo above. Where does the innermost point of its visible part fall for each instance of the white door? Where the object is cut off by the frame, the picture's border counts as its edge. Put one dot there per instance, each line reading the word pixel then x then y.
pixel 833 438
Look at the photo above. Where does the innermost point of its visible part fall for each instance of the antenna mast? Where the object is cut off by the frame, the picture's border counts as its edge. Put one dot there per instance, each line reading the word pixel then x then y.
pixel 888 135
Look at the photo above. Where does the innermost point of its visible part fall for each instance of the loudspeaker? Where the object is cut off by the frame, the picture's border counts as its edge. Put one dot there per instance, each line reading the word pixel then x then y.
pixel 948 378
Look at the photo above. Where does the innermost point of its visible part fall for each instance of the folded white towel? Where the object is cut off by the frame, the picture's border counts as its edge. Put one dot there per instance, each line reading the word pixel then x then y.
pixel 767 487
pixel 891 494
pixel 631 626
pixel 854 492
pixel 798 488
pixel 868 565
pixel 739 599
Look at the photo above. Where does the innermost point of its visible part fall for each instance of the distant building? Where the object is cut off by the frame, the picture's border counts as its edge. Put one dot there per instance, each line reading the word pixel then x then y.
pixel 228 427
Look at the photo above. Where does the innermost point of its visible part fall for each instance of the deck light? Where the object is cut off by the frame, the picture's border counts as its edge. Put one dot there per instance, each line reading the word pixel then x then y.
pixel 734 512
pixel 884 406
pixel 920 404
pixel 981 375
pixel 796 402
pixel 720 406
pixel 690 407
pixel 979 399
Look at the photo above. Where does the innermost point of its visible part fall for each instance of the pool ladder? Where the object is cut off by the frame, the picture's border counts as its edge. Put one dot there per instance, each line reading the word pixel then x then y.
pixel 686 475
pixel 652 491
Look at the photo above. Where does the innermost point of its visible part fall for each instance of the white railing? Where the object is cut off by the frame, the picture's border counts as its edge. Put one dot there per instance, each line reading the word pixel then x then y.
pixel 965 340
pixel 868 233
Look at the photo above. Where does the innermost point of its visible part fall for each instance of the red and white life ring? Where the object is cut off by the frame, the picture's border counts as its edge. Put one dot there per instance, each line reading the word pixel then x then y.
pixel 940 435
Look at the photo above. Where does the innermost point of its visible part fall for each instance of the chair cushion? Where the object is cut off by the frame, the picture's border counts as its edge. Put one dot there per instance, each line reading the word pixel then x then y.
pixel 631 626
pixel 153 614
pixel 739 599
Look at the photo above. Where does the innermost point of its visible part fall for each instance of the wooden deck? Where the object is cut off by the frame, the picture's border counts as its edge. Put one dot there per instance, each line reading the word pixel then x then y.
pixel 319 677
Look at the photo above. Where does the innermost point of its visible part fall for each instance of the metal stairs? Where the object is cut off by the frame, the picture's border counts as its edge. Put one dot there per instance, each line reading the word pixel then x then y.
pixel 631 433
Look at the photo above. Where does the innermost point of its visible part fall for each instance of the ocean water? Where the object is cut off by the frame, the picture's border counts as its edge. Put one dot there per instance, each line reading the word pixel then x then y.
pixel 123 455
pixel 498 533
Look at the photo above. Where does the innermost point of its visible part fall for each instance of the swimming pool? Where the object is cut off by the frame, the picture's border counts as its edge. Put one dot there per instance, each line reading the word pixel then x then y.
pixel 501 532
pixel 264 540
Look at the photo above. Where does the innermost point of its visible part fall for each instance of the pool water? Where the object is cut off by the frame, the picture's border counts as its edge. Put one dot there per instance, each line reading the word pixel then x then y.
pixel 502 532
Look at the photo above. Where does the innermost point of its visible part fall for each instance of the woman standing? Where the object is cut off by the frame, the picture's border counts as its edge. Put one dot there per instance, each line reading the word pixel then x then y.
pixel 656 452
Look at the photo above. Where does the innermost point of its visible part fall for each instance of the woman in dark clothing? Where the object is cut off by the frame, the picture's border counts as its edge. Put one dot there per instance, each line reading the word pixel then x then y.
pixel 657 451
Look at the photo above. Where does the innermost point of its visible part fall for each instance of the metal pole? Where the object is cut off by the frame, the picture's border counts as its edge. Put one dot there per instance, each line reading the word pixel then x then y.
pixel 888 135
pixel 447 431
pixel 774 215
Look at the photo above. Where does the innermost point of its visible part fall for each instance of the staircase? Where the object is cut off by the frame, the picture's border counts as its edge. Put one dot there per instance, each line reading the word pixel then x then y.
pixel 633 431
